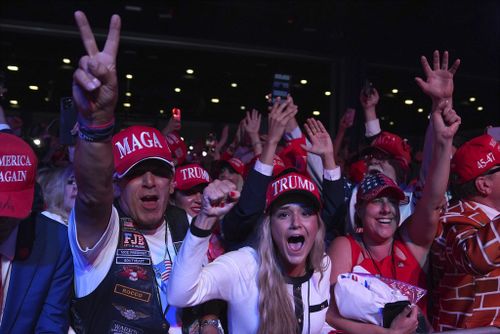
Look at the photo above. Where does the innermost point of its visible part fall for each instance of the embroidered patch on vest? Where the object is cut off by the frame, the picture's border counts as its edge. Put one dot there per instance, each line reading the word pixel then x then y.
pixel 119 328
pixel 130 314
pixel 133 260
pixel 132 293
pixel 132 252
pixel 133 273
pixel 133 240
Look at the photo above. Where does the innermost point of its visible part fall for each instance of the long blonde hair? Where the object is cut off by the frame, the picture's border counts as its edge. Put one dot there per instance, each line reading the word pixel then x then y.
pixel 276 314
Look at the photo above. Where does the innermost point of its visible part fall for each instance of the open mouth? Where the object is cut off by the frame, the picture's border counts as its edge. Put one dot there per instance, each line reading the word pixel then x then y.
pixel 196 209
pixel 149 201
pixel 296 242
pixel 384 220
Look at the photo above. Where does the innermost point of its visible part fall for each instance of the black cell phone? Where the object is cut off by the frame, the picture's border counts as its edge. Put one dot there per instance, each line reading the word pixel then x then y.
pixel 391 310
pixel 67 121
pixel 281 87
pixel 367 88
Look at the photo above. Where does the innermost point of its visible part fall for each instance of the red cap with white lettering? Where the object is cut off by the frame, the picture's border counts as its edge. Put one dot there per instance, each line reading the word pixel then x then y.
pixel 236 164
pixel 136 144
pixel 475 157
pixel 18 165
pixel 189 176
pixel 177 147
pixel 292 183
pixel 394 145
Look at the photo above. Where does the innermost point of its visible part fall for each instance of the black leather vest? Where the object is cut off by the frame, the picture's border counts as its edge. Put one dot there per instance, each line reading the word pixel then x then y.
pixel 127 300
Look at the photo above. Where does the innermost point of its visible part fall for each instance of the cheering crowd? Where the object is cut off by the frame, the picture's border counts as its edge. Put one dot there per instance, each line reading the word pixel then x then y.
pixel 278 232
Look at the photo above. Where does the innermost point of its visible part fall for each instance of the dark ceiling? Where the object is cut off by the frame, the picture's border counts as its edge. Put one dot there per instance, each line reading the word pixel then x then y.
pixel 333 44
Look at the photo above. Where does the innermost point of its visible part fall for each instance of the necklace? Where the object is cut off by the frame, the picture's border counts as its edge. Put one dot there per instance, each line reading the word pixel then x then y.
pixel 393 266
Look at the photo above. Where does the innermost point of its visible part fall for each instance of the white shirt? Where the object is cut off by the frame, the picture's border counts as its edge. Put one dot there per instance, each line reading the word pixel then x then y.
pixel 233 278
pixel 7 251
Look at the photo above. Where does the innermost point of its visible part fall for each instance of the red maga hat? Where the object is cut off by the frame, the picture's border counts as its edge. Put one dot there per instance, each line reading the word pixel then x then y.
pixel 292 183
pixel 136 144
pixel 18 165
pixel 475 157
pixel 393 145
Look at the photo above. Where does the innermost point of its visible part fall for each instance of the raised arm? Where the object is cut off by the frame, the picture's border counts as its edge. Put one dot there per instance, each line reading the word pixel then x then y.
pixel 251 124
pixel 346 122
pixel 369 99
pixel 95 93
pixel 421 229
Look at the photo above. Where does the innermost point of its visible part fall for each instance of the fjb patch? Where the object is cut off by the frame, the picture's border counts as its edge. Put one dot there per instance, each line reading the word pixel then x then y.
pixel 133 240
pixel 120 328
pixel 162 270
pixel 132 293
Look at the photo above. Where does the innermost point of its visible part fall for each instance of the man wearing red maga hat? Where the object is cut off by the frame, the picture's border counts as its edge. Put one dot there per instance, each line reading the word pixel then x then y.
pixel 35 268
pixel 467 248
pixel 123 250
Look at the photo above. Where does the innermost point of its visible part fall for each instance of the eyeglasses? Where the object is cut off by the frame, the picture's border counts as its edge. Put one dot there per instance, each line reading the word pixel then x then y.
pixel 71 181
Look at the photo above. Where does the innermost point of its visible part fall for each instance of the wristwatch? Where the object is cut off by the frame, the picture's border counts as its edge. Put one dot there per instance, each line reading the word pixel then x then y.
pixel 214 323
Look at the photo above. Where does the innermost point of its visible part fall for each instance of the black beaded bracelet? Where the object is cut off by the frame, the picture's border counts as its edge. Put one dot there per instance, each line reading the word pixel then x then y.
pixel 96 134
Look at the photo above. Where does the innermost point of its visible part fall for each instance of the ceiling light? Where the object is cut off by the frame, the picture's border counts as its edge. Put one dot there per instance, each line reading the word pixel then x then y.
pixel 133 8
pixel 391 123
pixel 127 105
pixel 189 71
pixel 128 94
pixel 409 102
pixel 234 84
pixel 243 107
pixel 33 87
pixel 316 113
pixel 303 81
pixel 420 110
pixel 480 108
pixel 46 99
pixel 204 153
pixel 182 138
pixel 215 100
pixel 37 142
pixel 177 90
pixel 394 91
pixel 129 76
pixel 14 102
pixel 191 147
pixel 472 99
pixel 328 93
pixel 12 68
pixel 66 61
pixel 162 111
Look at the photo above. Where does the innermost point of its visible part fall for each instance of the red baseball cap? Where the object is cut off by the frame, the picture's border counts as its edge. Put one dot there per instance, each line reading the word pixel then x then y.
pixel 136 144
pixel 394 145
pixel 177 147
pixel 377 185
pixel 357 171
pixel 278 165
pixel 18 165
pixel 236 164
pixel 189 176
pixel 292 183
pixel 475 157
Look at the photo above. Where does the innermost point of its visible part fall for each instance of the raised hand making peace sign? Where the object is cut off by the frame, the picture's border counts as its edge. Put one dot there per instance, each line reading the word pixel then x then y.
pixel 95 84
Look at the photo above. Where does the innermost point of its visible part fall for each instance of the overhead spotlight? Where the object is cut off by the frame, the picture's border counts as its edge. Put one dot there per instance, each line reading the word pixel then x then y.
pixel 126 105
pixel 234 84
pixel 428 116
pixel 47 99
pixel 129 76
pixel 394 91
pixel 128 94
pixel 215 100
pixel 182 138
pixel 243 107
pixel 133 8
pixel 408 102
pixel 12 68
pixel 162 111
pixel 37 142
pixel 189 71
pixel 420 110
pixel 177 90
pixel 303 81
pixel 66 61
pixel 472 99
pixel 391 123
pixel 204 153
pixel 316 113
pixel 328 93
pixel 33 87
pixel 480 108
pixel 14 102
pixel 191 147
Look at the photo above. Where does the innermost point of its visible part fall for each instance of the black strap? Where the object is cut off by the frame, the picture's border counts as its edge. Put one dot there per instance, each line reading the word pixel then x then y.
pixel 299 306
pixel 318 307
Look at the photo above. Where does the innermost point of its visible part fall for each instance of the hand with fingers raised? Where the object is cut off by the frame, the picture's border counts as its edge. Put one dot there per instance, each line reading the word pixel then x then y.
pixel 95 84
pixel 321 142
pixel 438 84
pixel 279 116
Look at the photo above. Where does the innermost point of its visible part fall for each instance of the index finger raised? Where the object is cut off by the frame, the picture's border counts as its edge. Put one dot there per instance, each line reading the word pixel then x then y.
pixel 86 33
